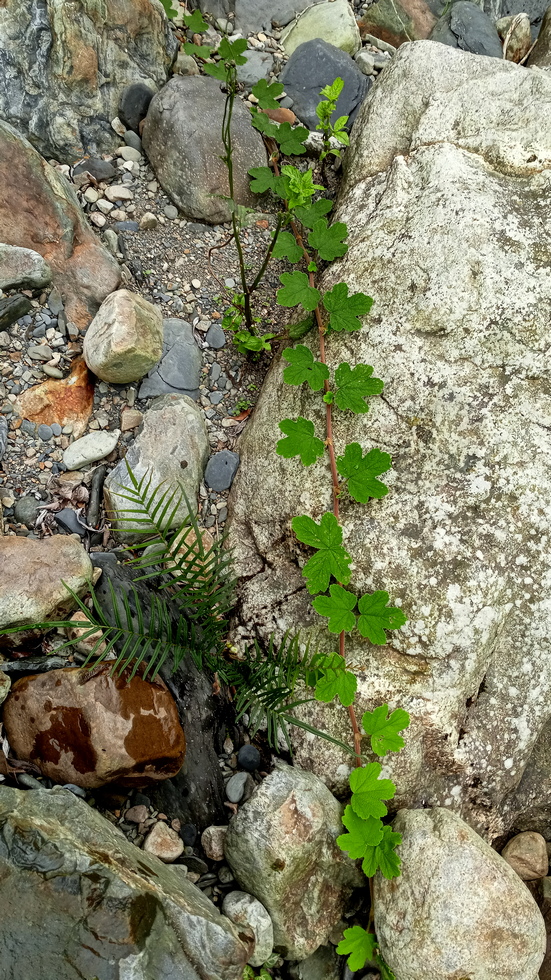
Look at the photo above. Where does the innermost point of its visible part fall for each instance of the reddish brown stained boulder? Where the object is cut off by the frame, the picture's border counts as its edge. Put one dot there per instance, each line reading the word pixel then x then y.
pixel 398 21
pixel 39 210
pixel 69 401
pixel 96 731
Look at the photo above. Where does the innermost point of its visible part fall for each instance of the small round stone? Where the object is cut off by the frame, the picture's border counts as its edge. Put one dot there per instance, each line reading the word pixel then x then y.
pixel 170 212
pixel 45 432
pixel 188 833
pixel 239 787
pixel 26 510
pixel 163 842
pixel 248 758
pixel 212 840
pixel 56 428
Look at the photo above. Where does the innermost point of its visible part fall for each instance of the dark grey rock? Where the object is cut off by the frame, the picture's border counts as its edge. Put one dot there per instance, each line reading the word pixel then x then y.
pixel 68 520
pixel 315 64
pixel 29 428
pixel 12 308
pixel 39 331
pixel 55 302
pixel 259 65
pixel 215 337
pixel 252 16
pixel 132 139
pixel 249 758
pixel 214 372
pixel 27 781
pixel 188 833
pixel 196 864
pixel 179 370
pixel 221 469
pixel 76 790
pixel 56 428
pixel 3 435
pixel 126 226
pixel 134 104
pixel 216 397
pixel 467 27
pixel 26 509
pixel 45 432
pixel 240 787
pixel 100 169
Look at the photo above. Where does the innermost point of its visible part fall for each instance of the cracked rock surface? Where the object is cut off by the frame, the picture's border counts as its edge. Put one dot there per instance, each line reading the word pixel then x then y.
pixel 443 195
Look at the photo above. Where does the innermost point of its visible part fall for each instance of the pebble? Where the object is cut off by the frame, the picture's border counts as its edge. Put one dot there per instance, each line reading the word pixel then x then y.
pixel 52 372
pixel 91 195
pixel 68 520
pixel 90 448
pixel 45 432
pixel 236 786
pixel 26 510
pixel 221 469
pixel 132 139
pixel 137 814
pixel 148 220
pixel 117 192
pixel 170 212
pixel 129 153
pixel 164 843
pixel 248 758
pixel 40 353
pixel 188 833
pixel 212 841
pixel 97 219
pixel 196 864
pixel 215 337
pixel 27 781
pixel 75 790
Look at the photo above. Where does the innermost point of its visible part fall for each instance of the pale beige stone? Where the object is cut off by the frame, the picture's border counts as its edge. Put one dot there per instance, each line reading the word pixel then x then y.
pixel 125 339
pixel 164 843
pixel 527 855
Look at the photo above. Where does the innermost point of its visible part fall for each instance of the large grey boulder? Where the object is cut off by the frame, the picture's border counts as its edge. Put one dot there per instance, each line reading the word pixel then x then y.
pixel 442 196
pixel 79 900
pixel 457 910
pixel 281 847
pixel 172 448
pixel 182 139
pixel 466 26
pixel 64 66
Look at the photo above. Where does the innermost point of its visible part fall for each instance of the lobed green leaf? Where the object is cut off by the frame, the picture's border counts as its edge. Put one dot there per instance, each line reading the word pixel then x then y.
pixel 328 241
pixel 354 385
pixel 286 247
pixel 301 441
pixel 368 791
pixel 304 368
pixel 337 607
pixel 313 212
pixel 361 472
pixel 331 558
pixel 384 730
pixel 345 310
pixel 376 617
pixel 335 681
pixel 297 291
pixel 266 93
pixel 360 947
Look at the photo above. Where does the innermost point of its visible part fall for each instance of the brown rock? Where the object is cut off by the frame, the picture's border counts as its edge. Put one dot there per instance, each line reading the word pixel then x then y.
pixel 514 32
pixel 32 574
pixel 40 210
pixel 281 115
pixel 398 21
pixel 527 855
pixel 212 840
pixel 69 401
pixel 137 814
pixel 95 731
pixel 86 644
pixel 164 843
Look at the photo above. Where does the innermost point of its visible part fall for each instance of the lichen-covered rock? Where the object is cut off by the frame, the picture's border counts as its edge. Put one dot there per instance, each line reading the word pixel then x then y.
pixel 40 210
pixel 182 140
pixel 95 730
pixel 333 22
pixel 125 339
pixel 172 446
pixel 20 267
pixel 443 206
pixel 457 910
pixel 79 900
pixel 32 574
pixel 64 67
pixel 281 848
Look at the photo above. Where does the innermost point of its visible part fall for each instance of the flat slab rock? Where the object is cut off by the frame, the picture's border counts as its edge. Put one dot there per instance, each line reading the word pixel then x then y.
pixel 122 914
pixel 459 333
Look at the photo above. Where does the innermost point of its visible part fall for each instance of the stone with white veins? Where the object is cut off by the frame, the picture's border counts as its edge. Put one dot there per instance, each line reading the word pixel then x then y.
pixel 459 333
pixel 90 448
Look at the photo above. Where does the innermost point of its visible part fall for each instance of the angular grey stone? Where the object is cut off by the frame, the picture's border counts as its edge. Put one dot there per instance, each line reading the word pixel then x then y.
pixel 259 65
pixel 221 469
pixel 541 55
pixel 26 509
pixel 467 27
pixel 22 268
pixel 244 910
pixel 172 447
pixel 98 168
pixel 215 337
pixel 181 366
pixel 315 64
pixel 181 139
pixel 63 75
pixel 82 901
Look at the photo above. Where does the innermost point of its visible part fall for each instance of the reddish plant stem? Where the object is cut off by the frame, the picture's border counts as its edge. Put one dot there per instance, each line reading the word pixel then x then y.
pixel 329 442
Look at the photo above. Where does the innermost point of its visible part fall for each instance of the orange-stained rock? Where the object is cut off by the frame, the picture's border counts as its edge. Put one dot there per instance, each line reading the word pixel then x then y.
pixel 39 210
pixel 281 115
pixel 96 731
pixel 69 401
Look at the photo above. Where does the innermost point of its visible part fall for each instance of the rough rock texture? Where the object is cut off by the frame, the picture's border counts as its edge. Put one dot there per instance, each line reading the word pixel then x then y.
pixel 179 370
pixel 457 910
pixel 64 66
pixel 173 446
pixel 466 26
pixel 541 55
pixel 252 16
pixel 125 339
pixel 527 855
pixel 398 21
pixel 333 21
pixel 244 910
pixel 164 843
pixel 182 141
pixel 459 333
pixel 5 684
pixel 22 267
pixel 81 901
pixel 39 210
pixel 281 848
pixel 97 730
pixel 32 575
pixel 516 32
pixel 312 66
pixel 69 401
